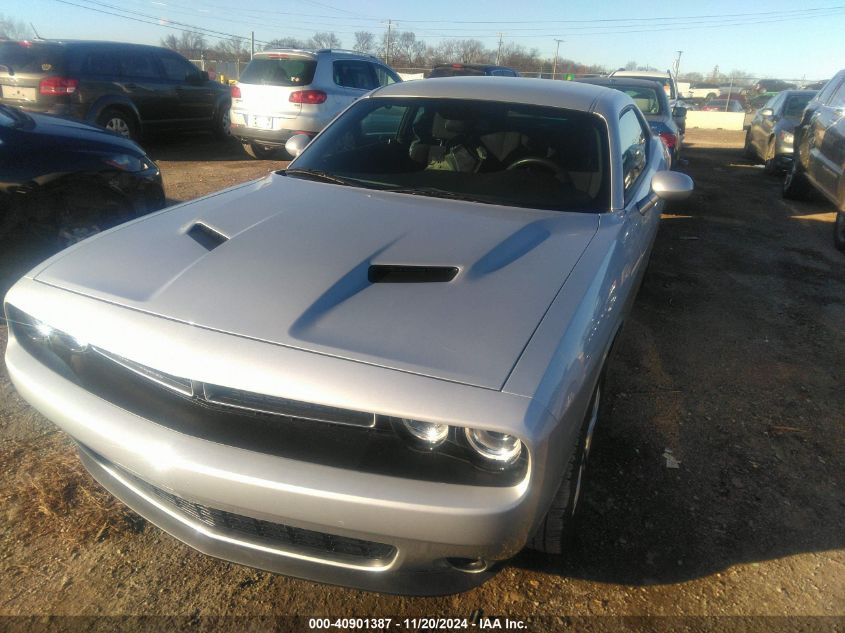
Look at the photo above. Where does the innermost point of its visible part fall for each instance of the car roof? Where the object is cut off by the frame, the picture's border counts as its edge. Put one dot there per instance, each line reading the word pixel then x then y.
pixel 617 81
pixel 797 92
pixel 543 92
pixel 640 73
pixel 477 66
pixel 314 52
pixel 68 42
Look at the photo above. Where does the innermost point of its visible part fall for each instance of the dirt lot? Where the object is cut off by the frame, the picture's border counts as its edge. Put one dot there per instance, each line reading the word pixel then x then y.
pixel 734 360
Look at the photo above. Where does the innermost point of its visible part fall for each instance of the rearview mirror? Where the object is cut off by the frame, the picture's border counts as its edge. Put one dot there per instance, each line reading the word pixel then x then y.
pixel 296 144
pixel 667 185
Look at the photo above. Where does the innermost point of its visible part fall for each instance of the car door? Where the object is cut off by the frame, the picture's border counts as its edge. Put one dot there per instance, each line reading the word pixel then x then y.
pixel 826 152
pixel 641 228
pixel 143 83
pixel 194 96
pixel 762 126
pixel 355 79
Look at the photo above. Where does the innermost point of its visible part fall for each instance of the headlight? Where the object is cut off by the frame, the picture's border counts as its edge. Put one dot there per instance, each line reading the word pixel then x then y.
pixel 499 448
pixel 786 137
pixel 429 433
pixel 127 162
pixel 43 334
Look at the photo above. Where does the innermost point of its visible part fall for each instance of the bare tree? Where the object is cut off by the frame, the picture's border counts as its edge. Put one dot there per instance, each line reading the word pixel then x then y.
pixel 472 51
pixel 286 42
pixel 365 42
pixel 189 43
pixel 12 29
pixel 324 40
pixel 234 48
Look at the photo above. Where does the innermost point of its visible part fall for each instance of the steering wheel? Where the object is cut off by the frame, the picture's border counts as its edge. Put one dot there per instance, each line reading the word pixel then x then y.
pixel 536 161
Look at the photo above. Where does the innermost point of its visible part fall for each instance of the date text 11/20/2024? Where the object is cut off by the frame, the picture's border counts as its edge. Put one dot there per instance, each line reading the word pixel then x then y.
pixel 417 624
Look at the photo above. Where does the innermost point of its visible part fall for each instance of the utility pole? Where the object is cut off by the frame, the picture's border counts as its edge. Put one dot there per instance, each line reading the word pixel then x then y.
pixel 554 66
pixel 678 63
pixel 387 52
pixel 499 52
pixel 252 44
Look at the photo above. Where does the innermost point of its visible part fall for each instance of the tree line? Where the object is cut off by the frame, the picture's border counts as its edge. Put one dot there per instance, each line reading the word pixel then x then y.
pixel 400 49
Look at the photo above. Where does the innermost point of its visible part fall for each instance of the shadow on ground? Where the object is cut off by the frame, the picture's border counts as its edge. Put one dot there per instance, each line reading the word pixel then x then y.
pixel 731 360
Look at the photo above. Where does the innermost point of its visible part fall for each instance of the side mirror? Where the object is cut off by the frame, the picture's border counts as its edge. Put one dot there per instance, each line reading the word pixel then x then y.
pixel 296 144
pixel 767 112
pixel 670 186
pixel 679 112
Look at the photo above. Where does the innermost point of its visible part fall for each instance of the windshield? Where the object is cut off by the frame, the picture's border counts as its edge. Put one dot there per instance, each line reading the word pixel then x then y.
pixel 490 152
pixel 25 57
pixel 794 106
pixel 646 99
pixel 279 71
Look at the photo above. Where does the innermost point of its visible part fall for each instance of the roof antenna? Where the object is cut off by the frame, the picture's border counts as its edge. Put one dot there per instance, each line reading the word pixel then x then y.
pixel 37 36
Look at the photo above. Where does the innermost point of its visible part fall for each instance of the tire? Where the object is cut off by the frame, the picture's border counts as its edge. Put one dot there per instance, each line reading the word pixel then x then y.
pixel 73 213
pixel 748 150
pixel 839 231
pixel 222 129
pixel 795 185
pixel 259 151
pixel 117 121
pixel 769 165
pixel 558 528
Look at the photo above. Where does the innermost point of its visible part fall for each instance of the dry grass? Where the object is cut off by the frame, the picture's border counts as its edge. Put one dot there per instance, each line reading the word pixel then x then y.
pixel 46 493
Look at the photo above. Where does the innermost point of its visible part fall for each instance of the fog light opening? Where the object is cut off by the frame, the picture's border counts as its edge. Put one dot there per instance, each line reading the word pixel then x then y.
pixel 468 565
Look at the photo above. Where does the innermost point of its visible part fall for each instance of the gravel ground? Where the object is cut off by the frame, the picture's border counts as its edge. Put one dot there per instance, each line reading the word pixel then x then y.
pixel 733 360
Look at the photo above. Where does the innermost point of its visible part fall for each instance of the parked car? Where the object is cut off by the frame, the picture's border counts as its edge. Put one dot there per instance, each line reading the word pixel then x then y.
pixel 288 91
pixel 471 70
pixel 669 86
pixel 703 90
pixel 772 85
pixel 307 388
pixel 65 180
pixel 819 152
pixel 760 100
pixel 816 85
pixel 654 104
pixel 723 105
pixel 129 89
pixel 769 137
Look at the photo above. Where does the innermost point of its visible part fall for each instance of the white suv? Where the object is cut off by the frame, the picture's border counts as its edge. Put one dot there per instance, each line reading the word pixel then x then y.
pixel 283 92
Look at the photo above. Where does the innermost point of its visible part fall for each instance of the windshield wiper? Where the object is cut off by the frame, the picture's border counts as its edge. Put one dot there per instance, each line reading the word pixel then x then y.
pixel 435 193
pixel 322 176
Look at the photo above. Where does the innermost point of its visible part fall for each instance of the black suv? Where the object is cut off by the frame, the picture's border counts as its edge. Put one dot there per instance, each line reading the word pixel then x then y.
pixel 128 88
pixel 819 152
pixel 464 70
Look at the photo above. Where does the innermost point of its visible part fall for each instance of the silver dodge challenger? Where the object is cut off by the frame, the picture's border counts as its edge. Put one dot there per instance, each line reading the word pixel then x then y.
pixel 381 367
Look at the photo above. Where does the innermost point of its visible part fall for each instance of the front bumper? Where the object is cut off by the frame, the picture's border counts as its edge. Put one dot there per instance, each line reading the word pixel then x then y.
pixel 425 522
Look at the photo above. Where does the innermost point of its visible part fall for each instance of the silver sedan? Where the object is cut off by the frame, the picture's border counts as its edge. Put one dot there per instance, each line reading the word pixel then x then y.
pixel 381 367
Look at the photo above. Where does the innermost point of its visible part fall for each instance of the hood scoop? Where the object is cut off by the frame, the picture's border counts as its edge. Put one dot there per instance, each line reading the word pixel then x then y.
pixel 206 236
pixel 389 274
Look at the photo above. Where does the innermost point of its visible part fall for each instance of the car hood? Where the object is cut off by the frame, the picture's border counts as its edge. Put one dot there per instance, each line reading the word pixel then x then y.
pixel 295 271
pixel 46 128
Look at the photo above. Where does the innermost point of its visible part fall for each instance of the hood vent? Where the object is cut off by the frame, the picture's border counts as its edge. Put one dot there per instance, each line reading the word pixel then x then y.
pixel 386 274
pixel 206 236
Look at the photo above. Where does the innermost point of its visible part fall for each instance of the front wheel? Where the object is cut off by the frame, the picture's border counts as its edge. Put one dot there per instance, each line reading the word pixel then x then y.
pixel 795 185
pixel 769 165
pixel 558 526
pixel 259 151
pixel 839 231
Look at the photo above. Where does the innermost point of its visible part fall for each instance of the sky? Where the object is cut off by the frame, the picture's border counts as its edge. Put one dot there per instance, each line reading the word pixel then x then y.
pixel 778 38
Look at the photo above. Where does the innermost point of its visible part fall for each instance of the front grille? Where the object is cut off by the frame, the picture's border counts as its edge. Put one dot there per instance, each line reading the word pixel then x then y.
pixel 277 535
